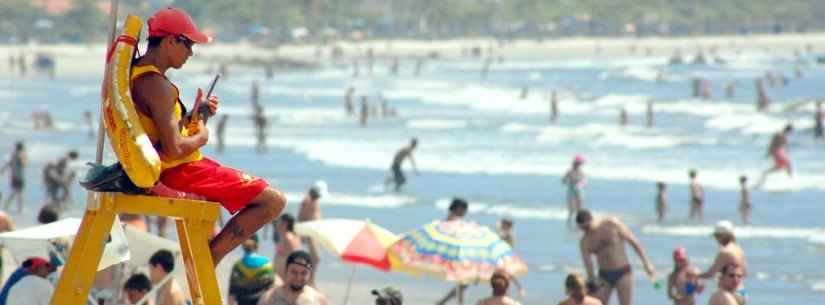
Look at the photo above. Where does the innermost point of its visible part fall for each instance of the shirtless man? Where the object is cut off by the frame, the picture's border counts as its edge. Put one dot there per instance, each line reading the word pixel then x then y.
pixel 649 113
pixel 294 290
pixel 697 197
pixel 311 210
pixel 683 284
pixel 778 149
pixel 605 238
pixel 287 242
pixel 365 111
pixel 729 251
pixel 729 280
pixel 397 174
pixel 172 36
pixel 17 165
pixel 161 264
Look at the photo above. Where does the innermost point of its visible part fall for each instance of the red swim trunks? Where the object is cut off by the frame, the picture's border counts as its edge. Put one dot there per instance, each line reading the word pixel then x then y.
pixel 234 189
pixel 780 159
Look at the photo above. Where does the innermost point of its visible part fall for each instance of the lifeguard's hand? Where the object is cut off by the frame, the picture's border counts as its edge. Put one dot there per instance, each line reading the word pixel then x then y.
pixel 213 104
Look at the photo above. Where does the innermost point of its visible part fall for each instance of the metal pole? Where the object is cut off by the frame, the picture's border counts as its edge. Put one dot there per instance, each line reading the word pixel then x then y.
pixel 106 77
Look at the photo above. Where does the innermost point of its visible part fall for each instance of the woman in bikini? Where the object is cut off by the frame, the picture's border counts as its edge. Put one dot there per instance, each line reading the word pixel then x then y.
pixel 575 180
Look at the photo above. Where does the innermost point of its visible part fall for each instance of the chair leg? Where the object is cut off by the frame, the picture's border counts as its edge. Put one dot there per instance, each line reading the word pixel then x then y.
pixel 186 252
pixel 81 267
pixel 199 232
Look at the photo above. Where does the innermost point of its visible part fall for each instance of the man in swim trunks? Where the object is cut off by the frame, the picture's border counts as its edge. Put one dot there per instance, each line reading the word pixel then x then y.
pixel 172 34
pixel 729 253
pixel 605 238
pixel 729 280
pixel 403 154
pixel 697 197
pixel 778 149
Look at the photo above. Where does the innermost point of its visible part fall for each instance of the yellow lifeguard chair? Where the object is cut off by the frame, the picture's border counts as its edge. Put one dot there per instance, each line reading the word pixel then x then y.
pixel 194 219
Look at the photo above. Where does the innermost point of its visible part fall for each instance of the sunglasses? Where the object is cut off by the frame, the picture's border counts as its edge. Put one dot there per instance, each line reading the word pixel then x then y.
pixel 188 43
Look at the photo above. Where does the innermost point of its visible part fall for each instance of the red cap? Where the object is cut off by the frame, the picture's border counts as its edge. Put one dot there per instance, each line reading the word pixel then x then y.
pixel 174 21
pixel 680 254
pixel 35 262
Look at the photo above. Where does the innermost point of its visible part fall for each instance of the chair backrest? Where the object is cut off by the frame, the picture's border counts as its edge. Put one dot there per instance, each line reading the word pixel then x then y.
pixel 133 148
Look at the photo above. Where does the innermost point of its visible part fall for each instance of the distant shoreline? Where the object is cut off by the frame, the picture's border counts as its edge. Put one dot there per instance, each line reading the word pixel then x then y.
pixel 87 59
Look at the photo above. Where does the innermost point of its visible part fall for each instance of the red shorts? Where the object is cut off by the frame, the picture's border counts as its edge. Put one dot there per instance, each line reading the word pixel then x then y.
pixel 780 159
pixel 234 189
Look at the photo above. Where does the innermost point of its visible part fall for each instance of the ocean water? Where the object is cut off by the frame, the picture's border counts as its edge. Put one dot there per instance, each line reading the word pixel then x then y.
pixel 481 141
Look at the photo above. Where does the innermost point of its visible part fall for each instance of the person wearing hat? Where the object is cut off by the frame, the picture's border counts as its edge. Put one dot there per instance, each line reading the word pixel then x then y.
pixel 683 283
pixel 575 180
pixel 311 210
pixel 729 252
pixel 178 139
pixel 388 296
pixel 499 282
pixel 295 288
pixel 33 288
pixel 605 238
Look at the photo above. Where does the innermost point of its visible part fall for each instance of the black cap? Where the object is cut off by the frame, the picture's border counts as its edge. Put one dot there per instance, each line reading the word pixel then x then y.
pixel 300 258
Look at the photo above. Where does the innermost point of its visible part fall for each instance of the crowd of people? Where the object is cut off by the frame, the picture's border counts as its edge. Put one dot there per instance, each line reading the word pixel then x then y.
pixel 289 277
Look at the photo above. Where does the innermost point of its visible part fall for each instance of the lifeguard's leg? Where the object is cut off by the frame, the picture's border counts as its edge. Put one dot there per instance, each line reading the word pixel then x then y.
pixel 263 209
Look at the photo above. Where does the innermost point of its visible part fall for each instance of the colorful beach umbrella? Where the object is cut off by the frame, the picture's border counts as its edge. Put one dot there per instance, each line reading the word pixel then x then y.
pixel 455 251
pixel 355 241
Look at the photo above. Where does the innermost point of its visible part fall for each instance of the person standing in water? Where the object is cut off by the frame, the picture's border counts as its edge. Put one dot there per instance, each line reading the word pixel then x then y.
pixel 819 116
pixel 554 107
pixel 575 180
pixel 16 166
pixel 762 99
pixel 623 117
pixel 697 197
pixel 745 205
pixel 605 238
pixel 220 130
pixel 349 105
pixel 649 113
pixel 778 149
pixel 365 111
pixel 661 201
pixel 404 153
pixel 683 283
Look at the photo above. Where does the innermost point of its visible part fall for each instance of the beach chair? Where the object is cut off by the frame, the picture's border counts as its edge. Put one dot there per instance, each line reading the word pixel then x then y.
pixel 194 219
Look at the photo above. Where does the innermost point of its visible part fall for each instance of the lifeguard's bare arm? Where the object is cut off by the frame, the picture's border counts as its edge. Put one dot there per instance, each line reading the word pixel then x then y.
pixel 155 92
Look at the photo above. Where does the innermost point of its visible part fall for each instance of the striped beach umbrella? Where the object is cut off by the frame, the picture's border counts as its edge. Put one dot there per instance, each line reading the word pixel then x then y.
pixel 456 251
pixel 354 241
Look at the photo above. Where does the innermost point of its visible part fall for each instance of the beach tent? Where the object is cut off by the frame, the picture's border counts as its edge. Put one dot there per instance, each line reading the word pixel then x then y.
pixel 40 240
